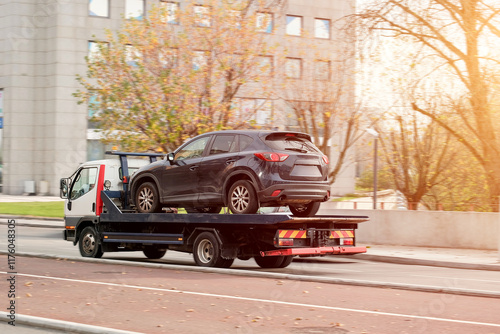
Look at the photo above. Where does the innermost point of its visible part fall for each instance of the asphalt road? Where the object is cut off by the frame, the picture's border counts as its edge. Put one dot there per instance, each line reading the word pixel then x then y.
pixel 48 241
pixel 175 297
pixel 158 300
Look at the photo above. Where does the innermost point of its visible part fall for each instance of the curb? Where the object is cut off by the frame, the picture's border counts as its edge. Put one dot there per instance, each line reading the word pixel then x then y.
pixel 5 216
pixel 431 263
pixel 260 274
pixel 64 326
pixel 35 225
pixel 41 225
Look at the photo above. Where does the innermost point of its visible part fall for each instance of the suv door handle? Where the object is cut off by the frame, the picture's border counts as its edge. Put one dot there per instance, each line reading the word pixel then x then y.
pixel 193 168
pixel 230 161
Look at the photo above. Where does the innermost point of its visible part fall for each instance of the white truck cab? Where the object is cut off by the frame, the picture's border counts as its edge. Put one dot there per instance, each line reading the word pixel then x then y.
pixel 82 189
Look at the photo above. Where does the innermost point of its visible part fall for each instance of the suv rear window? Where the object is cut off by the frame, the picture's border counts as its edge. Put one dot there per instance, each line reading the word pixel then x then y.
pixel 290 142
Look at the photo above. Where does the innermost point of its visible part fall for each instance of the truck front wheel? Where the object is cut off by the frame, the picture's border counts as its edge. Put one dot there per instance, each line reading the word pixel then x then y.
pixel 89 243
pixel 206 252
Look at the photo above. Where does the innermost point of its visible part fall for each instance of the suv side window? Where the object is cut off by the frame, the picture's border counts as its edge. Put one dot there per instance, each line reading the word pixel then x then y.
pixel 84 182
pixel 223 144
pixel 192 150
pixel 245 141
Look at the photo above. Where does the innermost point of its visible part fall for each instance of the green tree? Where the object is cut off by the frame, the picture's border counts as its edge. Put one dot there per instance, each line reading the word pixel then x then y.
pixel 174 75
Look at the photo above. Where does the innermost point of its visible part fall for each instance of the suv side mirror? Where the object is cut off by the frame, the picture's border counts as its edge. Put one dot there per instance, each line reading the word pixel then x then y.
pixel 64 187
pixel 171 157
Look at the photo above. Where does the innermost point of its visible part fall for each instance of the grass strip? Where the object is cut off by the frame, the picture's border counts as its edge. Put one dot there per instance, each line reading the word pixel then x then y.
pixel 39 209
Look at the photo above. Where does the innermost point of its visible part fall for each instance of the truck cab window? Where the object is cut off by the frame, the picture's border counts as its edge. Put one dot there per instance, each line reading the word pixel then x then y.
pixel 84 182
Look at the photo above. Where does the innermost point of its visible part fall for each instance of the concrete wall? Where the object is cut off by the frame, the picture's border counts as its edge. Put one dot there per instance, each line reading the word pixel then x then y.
pixel 468 230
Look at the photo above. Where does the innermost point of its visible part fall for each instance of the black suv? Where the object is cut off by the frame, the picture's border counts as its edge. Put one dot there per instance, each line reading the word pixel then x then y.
pixel 243 170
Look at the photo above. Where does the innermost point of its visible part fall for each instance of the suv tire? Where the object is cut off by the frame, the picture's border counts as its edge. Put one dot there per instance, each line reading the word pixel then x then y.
pixel 242 198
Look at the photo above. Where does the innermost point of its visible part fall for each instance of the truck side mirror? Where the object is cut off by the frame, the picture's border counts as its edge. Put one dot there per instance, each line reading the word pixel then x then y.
pixel 64 187
pixel 171 157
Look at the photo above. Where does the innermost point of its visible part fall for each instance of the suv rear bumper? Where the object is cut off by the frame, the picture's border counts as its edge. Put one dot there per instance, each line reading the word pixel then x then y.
pixel 295 193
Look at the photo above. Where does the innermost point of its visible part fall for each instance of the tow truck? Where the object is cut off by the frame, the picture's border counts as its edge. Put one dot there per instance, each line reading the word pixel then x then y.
pixel 99 219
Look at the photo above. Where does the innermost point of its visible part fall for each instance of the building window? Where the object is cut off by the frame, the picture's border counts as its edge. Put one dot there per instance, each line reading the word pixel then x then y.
pixel 293 25
pixel 322 70
pixel 265 66
pixel 293 68
pixel 253 111
pixel 264 112
pixel 171 12
pixel 134 9
pixel 264 22
pixel 169 58
pixel 94 50
pixel 132 55
pixel 99 8
pixel 93 109
pixel 202 16
pixel 200 60
pixel 322 28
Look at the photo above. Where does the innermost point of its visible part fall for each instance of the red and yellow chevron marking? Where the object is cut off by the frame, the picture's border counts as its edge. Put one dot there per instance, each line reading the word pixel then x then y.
pixel 342 234
pixel 292 234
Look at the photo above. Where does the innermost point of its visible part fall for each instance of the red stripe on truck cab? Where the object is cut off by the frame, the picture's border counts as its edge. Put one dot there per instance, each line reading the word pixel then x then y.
pixel 100 187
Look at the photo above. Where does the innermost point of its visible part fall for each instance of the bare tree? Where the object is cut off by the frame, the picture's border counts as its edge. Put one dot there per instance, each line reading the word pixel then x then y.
pixel 455 37
pixel 321 98
pixel 417 154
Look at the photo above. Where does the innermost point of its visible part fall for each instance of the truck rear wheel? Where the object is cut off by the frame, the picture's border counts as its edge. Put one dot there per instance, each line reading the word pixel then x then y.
pixel 154 253
pixel 89 243
pixel 286 261
pixel 305 210
pixel 270 261
pixel 206 252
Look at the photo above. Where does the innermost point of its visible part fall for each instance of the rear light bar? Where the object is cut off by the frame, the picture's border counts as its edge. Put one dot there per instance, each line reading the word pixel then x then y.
pixel 347 242
pixel 317 251
pixel 271 156
pixel 285 242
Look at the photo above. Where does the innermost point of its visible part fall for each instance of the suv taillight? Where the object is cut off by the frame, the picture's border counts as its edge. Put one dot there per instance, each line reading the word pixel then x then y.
pixel 325 159
pixel 271 156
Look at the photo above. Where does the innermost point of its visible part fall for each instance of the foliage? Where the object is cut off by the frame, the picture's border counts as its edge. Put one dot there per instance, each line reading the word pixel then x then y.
pixel 384 180
pixel 453 68
pixel 158 83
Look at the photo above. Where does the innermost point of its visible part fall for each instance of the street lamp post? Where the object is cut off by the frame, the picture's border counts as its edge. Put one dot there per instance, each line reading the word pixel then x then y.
pixel 375 165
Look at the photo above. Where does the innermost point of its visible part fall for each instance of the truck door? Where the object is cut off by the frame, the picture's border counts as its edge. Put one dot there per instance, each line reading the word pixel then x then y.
pixel 83 193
